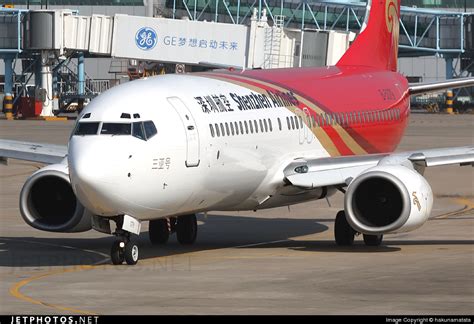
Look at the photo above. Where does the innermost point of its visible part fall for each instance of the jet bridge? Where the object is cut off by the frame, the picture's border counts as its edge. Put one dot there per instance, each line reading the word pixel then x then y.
pixel 49 39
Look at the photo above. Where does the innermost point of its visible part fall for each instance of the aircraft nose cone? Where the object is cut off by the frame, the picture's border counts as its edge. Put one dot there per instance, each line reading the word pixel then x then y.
pixel 92 175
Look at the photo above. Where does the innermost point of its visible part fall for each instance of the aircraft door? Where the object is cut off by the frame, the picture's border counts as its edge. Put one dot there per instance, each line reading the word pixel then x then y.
pixel 190 128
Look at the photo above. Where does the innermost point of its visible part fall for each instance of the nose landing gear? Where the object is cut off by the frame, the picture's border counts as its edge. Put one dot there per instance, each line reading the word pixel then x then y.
pixel 125 247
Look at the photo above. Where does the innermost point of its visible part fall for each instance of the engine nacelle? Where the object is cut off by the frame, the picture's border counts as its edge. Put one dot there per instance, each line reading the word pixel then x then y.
pixel 388 199
pixel 48 203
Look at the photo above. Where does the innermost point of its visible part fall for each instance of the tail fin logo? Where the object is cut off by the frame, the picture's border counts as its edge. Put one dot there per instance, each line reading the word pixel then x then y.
pixel 391 15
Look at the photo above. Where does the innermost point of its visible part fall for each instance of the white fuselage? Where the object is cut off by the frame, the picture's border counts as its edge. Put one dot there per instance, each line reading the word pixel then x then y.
pixel 188 167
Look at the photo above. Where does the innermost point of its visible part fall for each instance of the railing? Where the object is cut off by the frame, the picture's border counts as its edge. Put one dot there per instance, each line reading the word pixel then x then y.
pixel 421 30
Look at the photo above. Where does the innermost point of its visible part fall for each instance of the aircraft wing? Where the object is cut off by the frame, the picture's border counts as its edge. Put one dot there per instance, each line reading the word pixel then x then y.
pixel 340 171
pixel 35 152
pixel 416 89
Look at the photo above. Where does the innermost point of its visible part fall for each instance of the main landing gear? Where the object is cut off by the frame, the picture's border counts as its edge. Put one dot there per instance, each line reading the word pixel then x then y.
pixel 185 227
pixel 345 235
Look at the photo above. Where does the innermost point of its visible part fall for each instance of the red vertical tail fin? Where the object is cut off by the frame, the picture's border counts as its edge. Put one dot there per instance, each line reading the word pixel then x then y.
pixel 377 44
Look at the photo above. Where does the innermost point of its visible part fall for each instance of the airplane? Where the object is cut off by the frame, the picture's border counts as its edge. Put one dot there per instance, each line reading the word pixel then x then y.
pixel 162 149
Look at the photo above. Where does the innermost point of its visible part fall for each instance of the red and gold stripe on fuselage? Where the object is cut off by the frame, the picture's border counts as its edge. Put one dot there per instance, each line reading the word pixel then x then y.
pixel 337 139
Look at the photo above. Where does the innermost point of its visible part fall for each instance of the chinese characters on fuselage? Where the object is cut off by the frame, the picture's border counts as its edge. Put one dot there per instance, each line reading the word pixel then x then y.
pixel 270 99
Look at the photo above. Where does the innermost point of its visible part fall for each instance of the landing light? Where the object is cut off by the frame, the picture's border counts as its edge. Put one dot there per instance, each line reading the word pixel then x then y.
pixel 301 169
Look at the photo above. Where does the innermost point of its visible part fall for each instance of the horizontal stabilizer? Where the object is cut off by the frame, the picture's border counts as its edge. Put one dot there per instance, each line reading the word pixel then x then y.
pixel 416 89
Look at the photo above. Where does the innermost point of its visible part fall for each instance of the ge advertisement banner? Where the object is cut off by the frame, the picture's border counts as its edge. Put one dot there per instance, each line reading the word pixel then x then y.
pixel 179 41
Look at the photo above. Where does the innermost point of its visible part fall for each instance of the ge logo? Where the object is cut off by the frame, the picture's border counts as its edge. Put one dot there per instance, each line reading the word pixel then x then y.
pixel 146 38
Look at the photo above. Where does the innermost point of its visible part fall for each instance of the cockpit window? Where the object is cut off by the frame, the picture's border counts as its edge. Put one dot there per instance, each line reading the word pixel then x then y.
pixel 86 129
pixel 150 129
pixel 137 131
pixel 116 129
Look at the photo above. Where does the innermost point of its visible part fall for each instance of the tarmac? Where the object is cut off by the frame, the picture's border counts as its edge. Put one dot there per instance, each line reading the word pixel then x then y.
pixel 278 261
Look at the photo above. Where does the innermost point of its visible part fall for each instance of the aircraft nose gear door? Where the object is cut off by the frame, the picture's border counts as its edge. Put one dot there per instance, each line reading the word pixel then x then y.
pixel 190 128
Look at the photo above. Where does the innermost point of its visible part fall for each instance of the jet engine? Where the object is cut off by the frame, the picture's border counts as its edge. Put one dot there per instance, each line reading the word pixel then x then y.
pixel 48 203
pixel 388 199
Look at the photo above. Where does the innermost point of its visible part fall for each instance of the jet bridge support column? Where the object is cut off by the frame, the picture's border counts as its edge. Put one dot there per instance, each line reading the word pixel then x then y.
pixel 449 67
pixel 46 93
pixel 8 74
pixel 81 79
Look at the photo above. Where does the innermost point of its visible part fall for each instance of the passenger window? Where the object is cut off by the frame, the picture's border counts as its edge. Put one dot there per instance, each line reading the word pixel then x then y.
pixel 137 130
pixel 150 129
pixel 251 126
pixel 261 126
pixel 256 126
pixel 288 122
pixel 222 129
pixel 227 129
pixel 212 130
pixel 236 128
pixel 265 124
pixel 232 128
pixel 246 127
pixel 292 123
pixel 241 128
pixel 217 130
pixel 279 123
pixel 270 125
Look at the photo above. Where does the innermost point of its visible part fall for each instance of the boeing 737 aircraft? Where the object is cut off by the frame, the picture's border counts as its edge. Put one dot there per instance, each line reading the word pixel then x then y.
pixel 165 148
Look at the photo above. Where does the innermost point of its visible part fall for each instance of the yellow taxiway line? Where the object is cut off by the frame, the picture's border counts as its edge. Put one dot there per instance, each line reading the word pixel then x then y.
pixel 15 289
